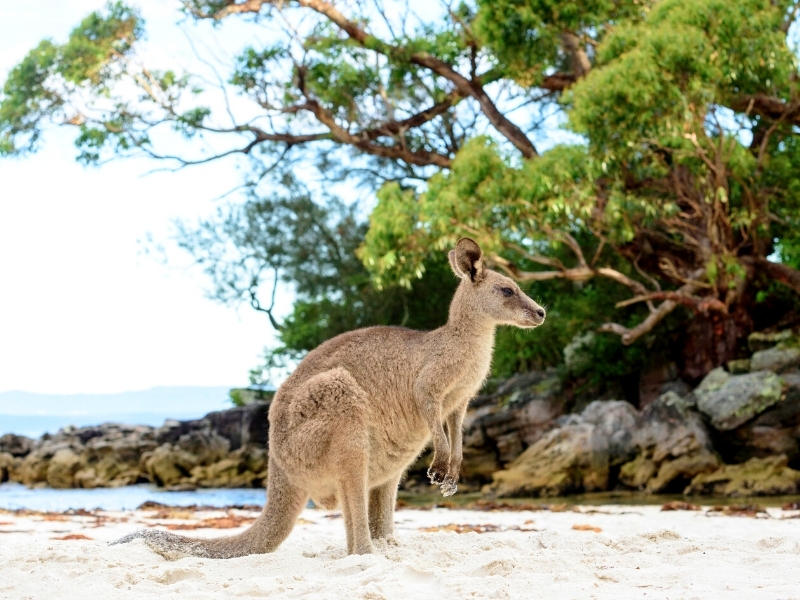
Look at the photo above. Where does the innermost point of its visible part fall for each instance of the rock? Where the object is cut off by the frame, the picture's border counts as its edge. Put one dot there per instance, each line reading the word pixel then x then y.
pixel 171 431
pixel 34 469
pixel 478 465
pixel 227 473
pixel 681 469
pixel 9 467
pixel 672 447
pixel 757 477
pixel 241 426
pixel 35 466
pixel 16 445
pixel 567 460
pixel 738 366
pixel 112 459
pixel 514 416
pixel 616 420
pixel 62 467
pixel 775 431
pixel 167 466
pixel 206 446
pixel 731 400
pixel 775 359
pixel 761 341
pixel 638 472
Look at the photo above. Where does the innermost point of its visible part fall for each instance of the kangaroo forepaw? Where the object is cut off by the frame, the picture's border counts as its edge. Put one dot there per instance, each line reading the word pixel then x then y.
pixel 437 473
pixel 448 486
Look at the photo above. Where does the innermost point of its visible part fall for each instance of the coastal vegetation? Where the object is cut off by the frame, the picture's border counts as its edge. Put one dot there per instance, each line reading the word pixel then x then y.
pixel 634 165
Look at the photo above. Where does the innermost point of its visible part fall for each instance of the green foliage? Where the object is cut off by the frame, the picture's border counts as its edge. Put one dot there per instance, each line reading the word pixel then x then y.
pixel 39 87
pixel 316 319
pixel 683 171
pixel 236 397
pixel 526 35
pixel 246 249
pixel 659 77
pixel 482 196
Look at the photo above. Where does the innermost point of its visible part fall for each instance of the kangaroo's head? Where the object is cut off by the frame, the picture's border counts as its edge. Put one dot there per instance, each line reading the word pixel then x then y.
pixel 488 293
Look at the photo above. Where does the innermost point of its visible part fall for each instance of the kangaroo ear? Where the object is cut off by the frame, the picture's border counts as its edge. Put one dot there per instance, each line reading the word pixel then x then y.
pixel 451 256
pixel 466 260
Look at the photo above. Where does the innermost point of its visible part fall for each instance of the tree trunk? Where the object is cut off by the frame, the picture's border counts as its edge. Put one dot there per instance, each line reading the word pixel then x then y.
pixel 712 340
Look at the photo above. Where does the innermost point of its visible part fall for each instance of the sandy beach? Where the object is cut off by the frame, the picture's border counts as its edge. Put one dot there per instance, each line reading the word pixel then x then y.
pixel 568 552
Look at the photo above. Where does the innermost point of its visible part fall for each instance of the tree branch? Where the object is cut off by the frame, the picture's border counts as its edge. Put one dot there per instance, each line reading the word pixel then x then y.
pixel 467 87
pixel 654 318
pixel 770 107
pixel 392 128
pixel 695 303
pixel 781 273
pixel 257 305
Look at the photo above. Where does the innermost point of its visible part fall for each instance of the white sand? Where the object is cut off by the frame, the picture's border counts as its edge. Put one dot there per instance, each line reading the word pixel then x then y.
pixel 640 552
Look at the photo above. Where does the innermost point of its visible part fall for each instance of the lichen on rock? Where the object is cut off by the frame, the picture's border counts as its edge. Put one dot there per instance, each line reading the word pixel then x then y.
pixel 731 400
pixel 757 477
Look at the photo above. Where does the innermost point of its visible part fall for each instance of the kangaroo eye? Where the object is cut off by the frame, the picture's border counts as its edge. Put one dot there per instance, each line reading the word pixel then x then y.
pixel 507 292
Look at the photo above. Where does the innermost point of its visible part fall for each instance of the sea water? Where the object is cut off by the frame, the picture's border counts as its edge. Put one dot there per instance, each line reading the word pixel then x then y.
pixel 15 495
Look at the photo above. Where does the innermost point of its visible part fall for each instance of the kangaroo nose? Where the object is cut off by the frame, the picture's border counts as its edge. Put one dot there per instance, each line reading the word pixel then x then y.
pixel 540 312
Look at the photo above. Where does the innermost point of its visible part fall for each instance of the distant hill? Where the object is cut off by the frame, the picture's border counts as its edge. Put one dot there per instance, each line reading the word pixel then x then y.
pixel 32 414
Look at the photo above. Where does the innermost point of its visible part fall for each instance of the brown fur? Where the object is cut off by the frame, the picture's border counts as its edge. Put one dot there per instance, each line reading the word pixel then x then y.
pixel 362 406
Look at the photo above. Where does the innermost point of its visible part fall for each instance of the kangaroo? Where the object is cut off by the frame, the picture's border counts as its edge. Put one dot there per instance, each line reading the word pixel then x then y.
pixel 362 406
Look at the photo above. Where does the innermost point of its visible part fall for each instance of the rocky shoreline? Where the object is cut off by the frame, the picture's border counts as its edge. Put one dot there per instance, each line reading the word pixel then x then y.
pixel 736 434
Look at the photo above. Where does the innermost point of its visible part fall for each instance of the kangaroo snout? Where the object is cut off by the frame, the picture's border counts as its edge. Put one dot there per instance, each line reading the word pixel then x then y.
pixel 536 315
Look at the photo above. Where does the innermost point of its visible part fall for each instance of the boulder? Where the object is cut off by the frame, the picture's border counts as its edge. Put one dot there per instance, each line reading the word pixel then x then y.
pixel 570 459
pixel 62 467
pixel 240 426
pixel 35 466
pixel 636 473
pixel 206 446
pixel 478 465
pixel 738 366
pixel 672 447
pixel 9 467
pixel 775 431
pixel 617 421
pixel 731 400
pixel 223 474
pixel 16 445
pixel 775 359
pixel 168 466
pixel 33 470
pixel 514 416
pixel 757 477
pixel 112 460
pixel 761 341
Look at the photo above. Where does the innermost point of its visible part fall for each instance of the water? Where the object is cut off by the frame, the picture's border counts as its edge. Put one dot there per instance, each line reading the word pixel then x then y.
pixel 15 495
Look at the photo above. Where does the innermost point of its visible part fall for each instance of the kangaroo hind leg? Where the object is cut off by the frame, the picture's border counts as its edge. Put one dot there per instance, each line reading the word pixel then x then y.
pixel 353 488
pixel 382 500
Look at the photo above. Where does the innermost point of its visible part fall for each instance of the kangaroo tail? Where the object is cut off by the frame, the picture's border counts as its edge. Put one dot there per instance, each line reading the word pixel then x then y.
pixel 284 503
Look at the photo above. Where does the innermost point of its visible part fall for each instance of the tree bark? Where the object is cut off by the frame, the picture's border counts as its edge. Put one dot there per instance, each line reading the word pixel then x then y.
pixel 712 339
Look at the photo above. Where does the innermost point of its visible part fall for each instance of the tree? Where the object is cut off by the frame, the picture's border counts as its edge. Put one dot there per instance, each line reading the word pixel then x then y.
pixel 682 187
pixel 247 249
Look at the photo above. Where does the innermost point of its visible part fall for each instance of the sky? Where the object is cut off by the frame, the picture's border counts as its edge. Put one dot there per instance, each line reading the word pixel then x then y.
pixel 82 308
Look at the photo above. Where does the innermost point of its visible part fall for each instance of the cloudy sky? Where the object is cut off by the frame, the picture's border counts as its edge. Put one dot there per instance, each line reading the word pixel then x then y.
pixel 82 308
